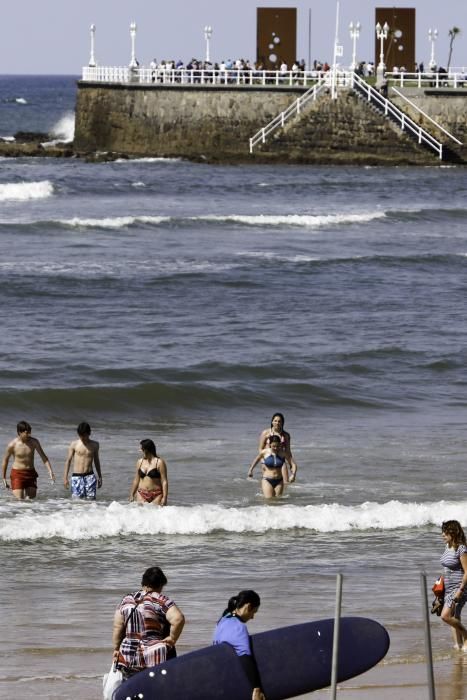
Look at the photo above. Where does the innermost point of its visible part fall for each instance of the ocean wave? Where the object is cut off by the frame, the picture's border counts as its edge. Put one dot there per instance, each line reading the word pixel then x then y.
pixel 306 220
pixel 71 521
pixel 25 190
pixel 178 393
pixel 147 160
pixel 259 220
pixel 116 222
pixel 64 129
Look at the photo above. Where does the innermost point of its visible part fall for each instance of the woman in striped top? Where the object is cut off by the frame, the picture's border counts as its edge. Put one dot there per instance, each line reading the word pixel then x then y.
pixel 454 560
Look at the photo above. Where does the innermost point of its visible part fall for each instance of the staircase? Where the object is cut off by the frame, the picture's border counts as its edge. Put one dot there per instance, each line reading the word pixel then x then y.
pixel 381 104
pixel 375 101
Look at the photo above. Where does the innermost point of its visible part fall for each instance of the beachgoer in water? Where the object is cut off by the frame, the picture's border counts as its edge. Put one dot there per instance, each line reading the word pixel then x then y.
pixel 232 629
pixel 454 560
pixel 277 428
pixel 23 475
pixel 272 463
pixel 147 625
pixel 150 484
pixel 83 453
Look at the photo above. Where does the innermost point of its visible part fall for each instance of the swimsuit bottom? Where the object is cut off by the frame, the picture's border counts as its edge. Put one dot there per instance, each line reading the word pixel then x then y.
pixel 273 482
pixel 84 486
pixel 23 479
pixel 150 496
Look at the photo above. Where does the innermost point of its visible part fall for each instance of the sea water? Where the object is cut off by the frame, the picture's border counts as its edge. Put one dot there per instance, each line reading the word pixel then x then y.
pixel 187 303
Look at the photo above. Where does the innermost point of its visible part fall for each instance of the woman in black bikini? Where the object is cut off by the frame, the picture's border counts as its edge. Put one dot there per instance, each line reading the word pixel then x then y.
pixel 272 462
pixel 150 484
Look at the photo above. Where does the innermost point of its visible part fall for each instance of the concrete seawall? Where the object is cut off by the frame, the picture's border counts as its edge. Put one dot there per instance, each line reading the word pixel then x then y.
pixel 215 124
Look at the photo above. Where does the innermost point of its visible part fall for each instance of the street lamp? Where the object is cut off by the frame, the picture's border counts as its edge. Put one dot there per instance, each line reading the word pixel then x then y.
pixel 207 36
pixel 354 35
pixel 92 60
pixel 432 36
pixel 381 34
pixel 133 62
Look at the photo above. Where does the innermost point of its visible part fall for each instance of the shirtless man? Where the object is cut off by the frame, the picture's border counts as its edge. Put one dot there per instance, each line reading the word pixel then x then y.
pixel 83 452
pixel 23 476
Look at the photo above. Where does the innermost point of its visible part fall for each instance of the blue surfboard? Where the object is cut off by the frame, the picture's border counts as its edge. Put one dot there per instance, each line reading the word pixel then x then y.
pixel 291 661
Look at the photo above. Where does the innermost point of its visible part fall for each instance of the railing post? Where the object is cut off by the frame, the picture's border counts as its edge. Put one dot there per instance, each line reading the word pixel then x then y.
pixel 428 649
pixel 335 638
pixel 403 122
pixel 263 135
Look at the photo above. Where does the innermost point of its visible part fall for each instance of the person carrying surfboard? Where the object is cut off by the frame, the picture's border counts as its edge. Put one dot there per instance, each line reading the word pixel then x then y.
pixel 231 628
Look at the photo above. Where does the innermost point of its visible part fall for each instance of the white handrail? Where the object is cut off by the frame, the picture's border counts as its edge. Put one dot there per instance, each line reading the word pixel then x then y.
pixel 404 121
pixel 429 79
pixel 425 115
pixel 292 110
pixel 183 76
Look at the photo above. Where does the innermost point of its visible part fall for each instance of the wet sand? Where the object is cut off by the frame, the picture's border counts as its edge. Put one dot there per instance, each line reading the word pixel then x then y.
pixel 406 682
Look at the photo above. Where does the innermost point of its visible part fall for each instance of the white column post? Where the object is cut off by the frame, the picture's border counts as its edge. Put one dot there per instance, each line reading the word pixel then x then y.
pixel 133 63
pixel 337 51
pixel 354 35
pixel 92 60
pixel 207 36
pixel 432 36
pixel 381 34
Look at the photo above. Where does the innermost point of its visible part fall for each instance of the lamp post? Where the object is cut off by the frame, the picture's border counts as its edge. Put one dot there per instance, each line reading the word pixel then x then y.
pixel 207 36
pixel 381 34
pixel 92 60
pixel 133 62
pixel 432 36
pixel 354 35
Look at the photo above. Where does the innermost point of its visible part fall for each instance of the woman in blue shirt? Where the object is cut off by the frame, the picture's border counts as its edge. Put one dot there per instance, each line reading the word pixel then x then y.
pixel 232 629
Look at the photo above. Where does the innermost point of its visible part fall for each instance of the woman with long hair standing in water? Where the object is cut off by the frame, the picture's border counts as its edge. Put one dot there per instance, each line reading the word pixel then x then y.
pixel 454 560
pixel 277 428
pixel 232 629
pixel 150 484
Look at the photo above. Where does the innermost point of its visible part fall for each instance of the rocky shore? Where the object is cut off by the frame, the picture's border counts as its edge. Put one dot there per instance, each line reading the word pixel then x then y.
pixel 32 143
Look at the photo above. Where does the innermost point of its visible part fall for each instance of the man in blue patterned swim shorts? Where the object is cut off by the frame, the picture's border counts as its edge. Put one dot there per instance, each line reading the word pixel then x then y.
pixel 83 453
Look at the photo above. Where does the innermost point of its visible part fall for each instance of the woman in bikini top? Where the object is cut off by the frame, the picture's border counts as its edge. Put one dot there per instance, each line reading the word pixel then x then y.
pixel 272 483
pixel 150 484
pixel 277 428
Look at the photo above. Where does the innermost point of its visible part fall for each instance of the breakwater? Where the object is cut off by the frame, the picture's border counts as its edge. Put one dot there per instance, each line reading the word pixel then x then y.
pixel 215 123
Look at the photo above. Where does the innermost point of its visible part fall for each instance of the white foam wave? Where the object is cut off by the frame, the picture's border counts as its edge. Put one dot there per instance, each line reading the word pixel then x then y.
pixel 21 101
pixel 64 129
pixel 147 160
pixel 7 139
pixel 116 222
pixel 96 520
pixel 25 190
pixel 308 221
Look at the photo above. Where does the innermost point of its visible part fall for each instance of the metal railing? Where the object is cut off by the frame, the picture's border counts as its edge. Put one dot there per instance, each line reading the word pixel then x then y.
pixel 429 79
pixel 292 110
pixel 390 110
pixel 184 76
pixel 425 115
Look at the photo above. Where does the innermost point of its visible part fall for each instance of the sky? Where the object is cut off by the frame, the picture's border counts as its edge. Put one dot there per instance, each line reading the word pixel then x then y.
pixel 52 36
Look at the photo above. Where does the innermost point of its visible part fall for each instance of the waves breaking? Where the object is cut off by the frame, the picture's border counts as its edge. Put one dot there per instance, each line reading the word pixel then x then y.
pixel 23 191
pixel 71 521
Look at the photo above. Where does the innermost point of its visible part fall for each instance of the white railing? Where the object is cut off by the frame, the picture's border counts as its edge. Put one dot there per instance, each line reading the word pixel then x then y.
pixel 292 110
pixel 428 79
pixel 183 76
pixel 425 115
pixel 390 109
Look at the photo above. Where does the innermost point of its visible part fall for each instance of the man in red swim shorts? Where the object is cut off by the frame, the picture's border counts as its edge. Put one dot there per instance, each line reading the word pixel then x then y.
pixel 23 475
